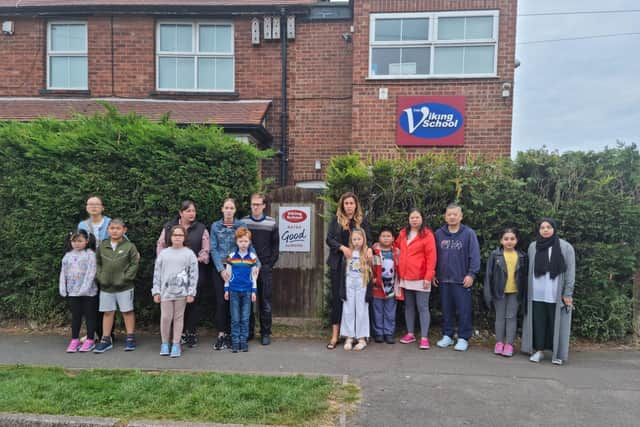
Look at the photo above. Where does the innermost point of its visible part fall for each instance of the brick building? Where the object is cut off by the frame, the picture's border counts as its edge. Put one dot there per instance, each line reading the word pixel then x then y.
pixel 354 71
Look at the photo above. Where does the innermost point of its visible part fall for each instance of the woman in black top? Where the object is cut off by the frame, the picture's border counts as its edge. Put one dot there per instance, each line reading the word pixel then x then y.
pixel 349 215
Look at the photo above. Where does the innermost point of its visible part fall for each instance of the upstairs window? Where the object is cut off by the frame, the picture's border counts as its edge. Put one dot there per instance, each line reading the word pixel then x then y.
pixel 431 45
pixel 67 56
pixel 195 56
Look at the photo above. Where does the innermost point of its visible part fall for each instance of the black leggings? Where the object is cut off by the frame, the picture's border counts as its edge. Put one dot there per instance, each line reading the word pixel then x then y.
pixel 222 307
pixel 544 315
pixel 194 311
pixel 87 307
pixel 336 301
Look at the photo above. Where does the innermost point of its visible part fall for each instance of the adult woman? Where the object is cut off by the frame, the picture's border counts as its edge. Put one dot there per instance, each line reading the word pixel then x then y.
pixel 547 322
pixel 222 243
pixel 196 239
pixel 348 216
pixel 96 224
pixel 416 270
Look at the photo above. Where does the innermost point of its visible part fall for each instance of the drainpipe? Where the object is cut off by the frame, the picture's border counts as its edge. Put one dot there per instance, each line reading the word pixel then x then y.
pixel 284 149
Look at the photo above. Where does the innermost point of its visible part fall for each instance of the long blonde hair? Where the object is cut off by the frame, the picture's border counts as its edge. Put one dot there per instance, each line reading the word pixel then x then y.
pixel 341 215
pixel 366 269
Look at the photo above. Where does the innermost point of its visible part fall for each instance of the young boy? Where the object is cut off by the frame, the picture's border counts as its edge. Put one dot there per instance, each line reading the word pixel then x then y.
pixel 117 264
pixel 457 266
pixel 384 298
pixel 240 290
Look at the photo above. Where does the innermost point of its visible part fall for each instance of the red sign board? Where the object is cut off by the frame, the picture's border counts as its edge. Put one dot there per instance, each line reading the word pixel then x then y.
pixel 430 120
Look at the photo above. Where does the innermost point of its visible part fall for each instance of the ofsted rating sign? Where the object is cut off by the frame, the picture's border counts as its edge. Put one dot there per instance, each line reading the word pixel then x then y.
pixel 295 228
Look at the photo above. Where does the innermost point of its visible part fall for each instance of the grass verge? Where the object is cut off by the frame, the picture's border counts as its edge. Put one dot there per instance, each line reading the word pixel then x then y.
pixel 206 397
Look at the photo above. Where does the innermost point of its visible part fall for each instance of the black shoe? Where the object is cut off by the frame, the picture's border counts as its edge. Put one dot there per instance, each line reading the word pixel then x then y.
pixel 389 339
pixel 220 343
pixel 378 338
pixel 192 340
pixel 183 339
pixel 244 347
pixel 265 339
pixel 235 348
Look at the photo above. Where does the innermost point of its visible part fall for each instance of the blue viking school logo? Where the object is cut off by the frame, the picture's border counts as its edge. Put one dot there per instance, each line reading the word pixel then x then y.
pixel 431 120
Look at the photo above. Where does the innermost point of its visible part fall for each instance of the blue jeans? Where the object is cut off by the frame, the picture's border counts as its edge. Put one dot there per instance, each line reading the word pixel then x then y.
pixel 240 307
pixel 456 297
pixel 384 316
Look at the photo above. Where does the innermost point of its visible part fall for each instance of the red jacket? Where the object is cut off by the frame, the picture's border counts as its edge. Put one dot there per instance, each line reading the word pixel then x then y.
pixel 418 259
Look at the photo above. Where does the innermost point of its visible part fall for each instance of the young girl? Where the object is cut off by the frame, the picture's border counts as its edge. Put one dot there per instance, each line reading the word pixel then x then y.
pixel 175 278
pixel 505 283
pixel 416 270
pixel 552 272
pixel 78 286
pixel 355 292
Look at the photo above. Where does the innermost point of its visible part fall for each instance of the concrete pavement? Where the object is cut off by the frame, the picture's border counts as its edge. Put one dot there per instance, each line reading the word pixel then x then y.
pixel 401 385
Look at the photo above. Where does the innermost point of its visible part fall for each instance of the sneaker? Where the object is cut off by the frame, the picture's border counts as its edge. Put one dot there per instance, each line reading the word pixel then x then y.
pixel 424 344
pixel 461 345
pixel 176 351
pixel 183 338
pixel 104 345
pixel 378 338
pixel 362 344
pixel 265 339
pixel 220 343
pixel 192 340
pixel 557 361
pixel 164 349
pixel 348 344
pixel 407 339
pixel 227 340
pixel 499 348
pixel 445 342
pixel 508 350
pixel 389 339
pixel 87 346
pixel 130 344
pixel 74 345
pixel 536 357
pixel 244 347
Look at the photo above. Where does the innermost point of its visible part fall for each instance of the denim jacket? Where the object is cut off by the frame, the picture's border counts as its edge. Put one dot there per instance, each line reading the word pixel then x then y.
pixel 223 242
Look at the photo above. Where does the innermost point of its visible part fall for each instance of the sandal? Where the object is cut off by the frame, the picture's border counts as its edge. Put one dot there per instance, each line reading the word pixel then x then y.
pixel 332 345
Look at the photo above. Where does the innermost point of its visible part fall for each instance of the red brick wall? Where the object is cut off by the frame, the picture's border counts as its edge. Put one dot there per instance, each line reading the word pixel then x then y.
pixel 23 63
pixel 488 121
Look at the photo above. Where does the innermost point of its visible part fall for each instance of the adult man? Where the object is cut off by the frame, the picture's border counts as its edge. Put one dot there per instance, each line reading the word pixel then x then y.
pixel 266 242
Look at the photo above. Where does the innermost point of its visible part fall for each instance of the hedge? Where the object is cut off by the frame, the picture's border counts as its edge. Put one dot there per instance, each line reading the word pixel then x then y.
pixel 141 169
pixel 593 195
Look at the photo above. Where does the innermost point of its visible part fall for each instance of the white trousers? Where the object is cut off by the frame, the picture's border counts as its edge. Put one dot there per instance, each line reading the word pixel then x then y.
pixel 355 311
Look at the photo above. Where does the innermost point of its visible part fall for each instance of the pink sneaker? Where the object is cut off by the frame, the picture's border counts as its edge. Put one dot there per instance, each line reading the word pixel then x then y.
pixel 508 350
pixel 407 339
pixel 498 348
pixel 87 346
pixel 74 345
pixel 424 344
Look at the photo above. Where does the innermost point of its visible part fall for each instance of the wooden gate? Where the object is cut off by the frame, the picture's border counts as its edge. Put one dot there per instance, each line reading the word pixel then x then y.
pixel 298 277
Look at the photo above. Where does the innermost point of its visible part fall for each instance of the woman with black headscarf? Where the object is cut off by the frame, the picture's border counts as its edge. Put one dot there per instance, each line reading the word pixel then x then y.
pixel 547 321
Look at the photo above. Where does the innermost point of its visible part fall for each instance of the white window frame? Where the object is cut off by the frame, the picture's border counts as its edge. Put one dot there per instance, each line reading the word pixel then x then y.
pixel 51 54
pixel 433 43
pixel 195 34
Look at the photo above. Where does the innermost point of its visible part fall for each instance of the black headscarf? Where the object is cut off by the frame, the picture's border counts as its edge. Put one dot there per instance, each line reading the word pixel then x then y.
pixel 544 264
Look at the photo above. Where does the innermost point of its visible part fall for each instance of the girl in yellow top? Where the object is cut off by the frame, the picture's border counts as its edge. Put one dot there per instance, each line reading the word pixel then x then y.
pixel 505 283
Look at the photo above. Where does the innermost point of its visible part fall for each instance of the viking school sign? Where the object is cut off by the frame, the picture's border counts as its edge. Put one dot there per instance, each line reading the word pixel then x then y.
pixel 295 228
pixel 430 120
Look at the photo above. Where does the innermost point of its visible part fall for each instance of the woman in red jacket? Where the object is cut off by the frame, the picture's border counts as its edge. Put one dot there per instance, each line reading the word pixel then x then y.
pixel 416 269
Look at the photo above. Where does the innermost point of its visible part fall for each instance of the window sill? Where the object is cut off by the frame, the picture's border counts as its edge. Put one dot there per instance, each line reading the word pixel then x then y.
pixel 439 77
pixel 70 92
pixel 172 94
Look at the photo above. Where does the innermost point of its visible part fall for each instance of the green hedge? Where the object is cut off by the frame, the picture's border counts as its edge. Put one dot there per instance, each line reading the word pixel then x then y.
pixel 142 170
pixel 594 196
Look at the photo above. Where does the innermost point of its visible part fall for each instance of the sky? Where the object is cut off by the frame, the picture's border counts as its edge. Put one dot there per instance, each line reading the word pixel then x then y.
pixel 576 94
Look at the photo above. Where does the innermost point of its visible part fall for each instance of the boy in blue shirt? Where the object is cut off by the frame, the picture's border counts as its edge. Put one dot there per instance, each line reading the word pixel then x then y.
pixel 240 289
pixel 457 267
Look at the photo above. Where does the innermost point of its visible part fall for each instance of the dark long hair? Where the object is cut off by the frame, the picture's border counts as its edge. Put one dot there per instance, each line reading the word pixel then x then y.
pixel 423 227
pixel 89 237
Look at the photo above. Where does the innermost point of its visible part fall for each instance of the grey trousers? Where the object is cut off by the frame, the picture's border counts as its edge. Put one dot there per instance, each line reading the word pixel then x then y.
pixel 421 300
pixel 506 318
